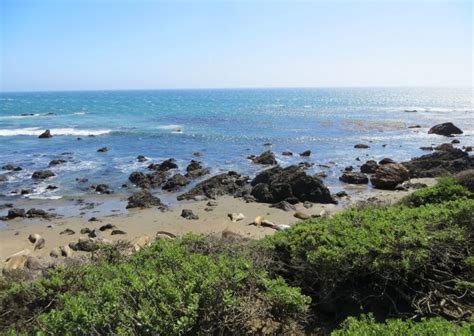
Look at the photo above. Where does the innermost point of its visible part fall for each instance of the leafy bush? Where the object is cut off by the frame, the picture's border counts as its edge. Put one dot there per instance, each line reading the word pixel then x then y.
pixel 447 189
pixel 166 289
pixel 366 325
pixel 393 260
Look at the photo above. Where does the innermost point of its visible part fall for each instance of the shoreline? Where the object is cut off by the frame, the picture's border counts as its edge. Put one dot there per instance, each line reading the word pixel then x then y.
pixel 140 223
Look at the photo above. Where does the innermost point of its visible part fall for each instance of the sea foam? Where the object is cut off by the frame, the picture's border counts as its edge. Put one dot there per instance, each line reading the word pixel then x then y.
pixel 36 131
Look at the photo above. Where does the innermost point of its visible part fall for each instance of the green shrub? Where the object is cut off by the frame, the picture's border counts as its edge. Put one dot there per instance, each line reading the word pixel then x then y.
pixel 163 290
pixel 389 260
pixel 366 325
pixel 447 189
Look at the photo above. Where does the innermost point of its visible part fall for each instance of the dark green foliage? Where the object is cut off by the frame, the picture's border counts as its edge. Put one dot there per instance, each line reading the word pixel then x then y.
pixel 366 325
pixel 391 261
pixel 163 290
pixel 446 190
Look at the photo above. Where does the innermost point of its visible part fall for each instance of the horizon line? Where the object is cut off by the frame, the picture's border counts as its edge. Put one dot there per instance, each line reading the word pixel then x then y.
pixel 241 88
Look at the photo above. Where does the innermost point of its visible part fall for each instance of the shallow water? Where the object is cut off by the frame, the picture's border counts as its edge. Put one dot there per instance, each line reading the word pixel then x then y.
pixel 224 125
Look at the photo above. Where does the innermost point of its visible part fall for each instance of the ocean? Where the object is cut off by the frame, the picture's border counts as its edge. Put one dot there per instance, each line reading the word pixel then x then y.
pixel 225 126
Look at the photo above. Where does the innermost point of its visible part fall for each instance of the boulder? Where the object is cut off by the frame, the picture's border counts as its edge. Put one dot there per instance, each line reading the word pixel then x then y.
pixel 103 150
pixel 176 182
pixel 266 158
pixel 301 215
pixel 466 179
pixel 230 183
pixel 141 158
pixel 284 205
pixel 189 214
pixel 195 169
pixel 42 174
pixel 455 141
pixel 146 181
pixel 144 199
pixel 289 184
pixel 306 153
pixel 56 162
pixel 354 178
pixel 164 166
pixel 389 175
pixel 445 129
pixel 45 135
pixel 369 167
pixel 15 213
pixel 103 189
pixel 440 163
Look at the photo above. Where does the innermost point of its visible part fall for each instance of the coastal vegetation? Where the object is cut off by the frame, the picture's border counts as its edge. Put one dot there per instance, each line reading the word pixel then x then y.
pixel 392 270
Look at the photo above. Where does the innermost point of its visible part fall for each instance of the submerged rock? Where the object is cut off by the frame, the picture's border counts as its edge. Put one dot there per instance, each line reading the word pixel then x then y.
pixel 389 175
pixel 45 135
pixel 287 153
pixel 306 153
pixel 56 162
pixel 103 150
pixel 445 129
pixel 266 158
pixel 289 184
pixel 43 174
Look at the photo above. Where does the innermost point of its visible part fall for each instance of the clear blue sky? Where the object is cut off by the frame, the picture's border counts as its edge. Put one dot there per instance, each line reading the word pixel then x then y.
pixel 118 44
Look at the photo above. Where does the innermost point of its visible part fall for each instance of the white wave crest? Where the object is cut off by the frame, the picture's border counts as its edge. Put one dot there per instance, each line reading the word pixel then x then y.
pixel 169 127
pixel 35 131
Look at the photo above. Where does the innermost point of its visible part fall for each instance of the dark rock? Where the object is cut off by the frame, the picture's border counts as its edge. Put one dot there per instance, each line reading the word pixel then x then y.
pixel 455 141
pixel 176 182
pixel 107 227
pixel 284 184
pixel 348 168
pixel 141 158
pixel 445 129
pixel 145 181
pixel 306 153
pixel 307 204
pixel 8 167
pixel 440 163
pixel 266 158
pixel 212 203
pixel 17 169
pixel 82 180
pixel 386 161
pixel 85 230
pixel 410 111
pixel 3 178
pixel 466 179
pixel 320 175
pixel 361 146
pixel 117 232
pixel 68 232
pixel 93 219
pixel 305 165
pixel 45 135
pixel 426 148
pixel 51 187
pixel 197 154
pixel 103 150
pixel 467 149
pixel 341 194
pixel 144 199
pixel 103 189
pixel 164 166
pixel 56 162
pixel 230 183
pixel 195 169
pixel 15 213
pixel 287 153
pixel 267 144
pixel 189 214
pixel 369 167
pixel 354 178
pixel 284 205
pixel 43 174
pixel 84 244
pixel 26 191
pixel 444 147
pixel 389 175
pixel 37 213
pixel 414 126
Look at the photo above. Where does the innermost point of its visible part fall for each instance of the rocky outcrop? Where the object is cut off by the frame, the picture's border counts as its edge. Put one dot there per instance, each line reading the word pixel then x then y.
pixel 45 135
pixel 389 175
pixel 176 182
pixel 369 167
pixel 144 199
pixel 195 169
pixel 290 184
pixel 386 161
pixel 354 178
pixel 164 166
pixel 440 163
pixel 146 181
pixel 445 129
pixel 230 183
pixel 266 158
pixel 42 174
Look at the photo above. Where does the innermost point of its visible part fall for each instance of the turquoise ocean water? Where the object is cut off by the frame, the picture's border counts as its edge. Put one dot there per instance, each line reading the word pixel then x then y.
pixel 224 125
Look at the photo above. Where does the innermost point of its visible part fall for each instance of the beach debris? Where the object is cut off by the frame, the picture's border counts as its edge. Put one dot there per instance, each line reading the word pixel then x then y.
pixel 266 158
pixel 235 217
pixel 361 146
pixel 287 153
pixel 301 215
pixel 389 175
pixel 445 129
pixel 68 232
pixel 164 235
pixel 306 153
pixel 354 178
pixel 290 184
pixel 144 199
pixel 141 243
pixel 189 214
pixel 283 205
pixel 117 232
pixel 141 158
pixel 36 239
pixel 45 135
pixel 42 174
pixel 103 150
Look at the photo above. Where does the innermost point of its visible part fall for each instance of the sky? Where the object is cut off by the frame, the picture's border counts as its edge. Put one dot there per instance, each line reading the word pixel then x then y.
pixel 124 44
